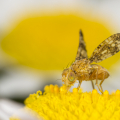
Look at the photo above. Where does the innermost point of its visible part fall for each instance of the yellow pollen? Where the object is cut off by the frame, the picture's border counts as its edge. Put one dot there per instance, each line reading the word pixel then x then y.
pixel 56 103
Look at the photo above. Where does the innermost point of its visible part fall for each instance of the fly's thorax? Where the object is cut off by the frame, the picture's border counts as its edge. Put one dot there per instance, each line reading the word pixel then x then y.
pixel 80 66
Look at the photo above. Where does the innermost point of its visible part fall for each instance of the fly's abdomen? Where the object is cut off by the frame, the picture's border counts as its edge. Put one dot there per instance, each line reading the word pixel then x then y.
pixel 98 72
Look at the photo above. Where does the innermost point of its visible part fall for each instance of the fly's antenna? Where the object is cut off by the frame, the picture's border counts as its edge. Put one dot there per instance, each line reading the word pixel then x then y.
pixel 67 65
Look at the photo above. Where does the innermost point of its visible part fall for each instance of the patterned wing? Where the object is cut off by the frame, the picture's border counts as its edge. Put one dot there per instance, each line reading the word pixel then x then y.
pixel 81 53
pixel 106 49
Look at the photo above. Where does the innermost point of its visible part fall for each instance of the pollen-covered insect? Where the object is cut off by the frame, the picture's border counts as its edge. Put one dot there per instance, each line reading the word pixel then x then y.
pixel 82 69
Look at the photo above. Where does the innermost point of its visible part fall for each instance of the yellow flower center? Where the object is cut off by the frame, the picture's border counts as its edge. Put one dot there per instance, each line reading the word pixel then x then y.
pixel 58 104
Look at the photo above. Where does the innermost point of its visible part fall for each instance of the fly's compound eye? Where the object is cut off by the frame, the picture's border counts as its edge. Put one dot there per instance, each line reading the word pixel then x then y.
pixel 71 76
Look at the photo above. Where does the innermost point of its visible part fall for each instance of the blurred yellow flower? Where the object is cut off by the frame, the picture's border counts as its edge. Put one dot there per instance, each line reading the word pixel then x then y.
pixel 58 104
pixel 51 42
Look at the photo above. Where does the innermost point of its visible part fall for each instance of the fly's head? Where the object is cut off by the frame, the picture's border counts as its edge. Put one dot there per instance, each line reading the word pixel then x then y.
pixel 68 77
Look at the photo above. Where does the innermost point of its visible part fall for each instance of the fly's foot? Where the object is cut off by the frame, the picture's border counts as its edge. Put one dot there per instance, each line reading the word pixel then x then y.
pixel 101 90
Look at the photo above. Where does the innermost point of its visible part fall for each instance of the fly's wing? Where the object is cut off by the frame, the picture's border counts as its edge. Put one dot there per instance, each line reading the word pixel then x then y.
pixel 106 49
pixel 81 53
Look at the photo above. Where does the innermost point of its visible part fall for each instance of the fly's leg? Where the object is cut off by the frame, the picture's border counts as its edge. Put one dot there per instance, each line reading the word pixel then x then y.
pixel 102 82
pixel 98 85
pixel 68 88
pixel 79 84
pixel 92 84
pixel 101 86
pixel 91 77
pixel 97 81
